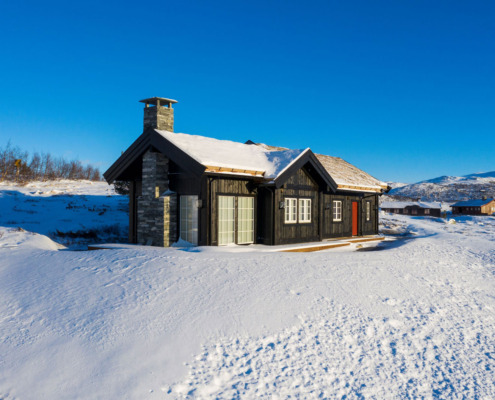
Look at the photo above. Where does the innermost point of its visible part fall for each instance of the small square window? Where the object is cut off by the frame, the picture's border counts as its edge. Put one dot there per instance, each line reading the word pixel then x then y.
pixel 290 211
pixel 305 210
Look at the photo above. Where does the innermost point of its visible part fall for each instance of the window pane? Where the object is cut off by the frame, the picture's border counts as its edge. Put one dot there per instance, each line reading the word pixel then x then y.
pixel 304 210
pixel 189 219
pixel 245 220
pixel 226 219
pixel 290 210
pixel 337 210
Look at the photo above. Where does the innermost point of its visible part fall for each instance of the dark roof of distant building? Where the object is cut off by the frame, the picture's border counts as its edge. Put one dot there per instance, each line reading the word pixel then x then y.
pixel 472 203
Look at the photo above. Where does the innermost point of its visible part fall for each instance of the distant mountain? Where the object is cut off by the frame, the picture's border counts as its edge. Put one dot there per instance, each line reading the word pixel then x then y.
pixel 396 185
pixel 448 188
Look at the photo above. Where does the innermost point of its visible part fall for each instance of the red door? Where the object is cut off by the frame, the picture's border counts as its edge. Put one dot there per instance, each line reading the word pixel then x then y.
pixel 354 218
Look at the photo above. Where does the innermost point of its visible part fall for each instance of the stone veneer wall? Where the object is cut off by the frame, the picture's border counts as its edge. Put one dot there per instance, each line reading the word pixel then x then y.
pixel 156 212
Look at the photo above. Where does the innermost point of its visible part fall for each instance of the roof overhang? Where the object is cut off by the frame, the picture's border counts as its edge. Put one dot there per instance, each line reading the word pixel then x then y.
pixel 357 188
pixel 234 171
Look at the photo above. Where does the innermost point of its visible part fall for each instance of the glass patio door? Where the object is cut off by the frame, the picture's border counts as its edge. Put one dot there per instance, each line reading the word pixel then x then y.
pixel 226 220
pixel 245 220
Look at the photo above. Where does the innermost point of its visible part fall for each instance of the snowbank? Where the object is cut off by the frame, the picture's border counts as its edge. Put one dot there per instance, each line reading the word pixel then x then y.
pixel 73 213
pixel 413 319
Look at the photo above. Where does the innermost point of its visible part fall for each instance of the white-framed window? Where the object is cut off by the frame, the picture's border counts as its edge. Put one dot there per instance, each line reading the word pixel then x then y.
pixel 245 220
pixel 368 211
pixel 414 211
pixel 337 210
pixel 427 210
pixel 189 219
pixel 304 210
pixel 226 220
pixel 290 210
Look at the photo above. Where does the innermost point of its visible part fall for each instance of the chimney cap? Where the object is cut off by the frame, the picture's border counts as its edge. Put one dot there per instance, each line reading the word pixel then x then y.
pixel 162 101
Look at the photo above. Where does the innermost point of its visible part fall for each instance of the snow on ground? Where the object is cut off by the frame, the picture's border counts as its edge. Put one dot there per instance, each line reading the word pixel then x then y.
pixel 412 318
pixel 81 211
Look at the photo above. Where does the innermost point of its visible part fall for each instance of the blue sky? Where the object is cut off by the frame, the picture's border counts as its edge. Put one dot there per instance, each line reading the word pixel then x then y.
pixel 402 89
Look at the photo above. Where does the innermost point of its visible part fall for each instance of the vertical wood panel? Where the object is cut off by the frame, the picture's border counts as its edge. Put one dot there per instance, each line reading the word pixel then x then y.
pixel 300 185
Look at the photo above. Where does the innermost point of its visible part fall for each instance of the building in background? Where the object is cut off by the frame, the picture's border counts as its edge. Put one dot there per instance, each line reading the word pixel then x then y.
pixel 474 207
pixel 418 208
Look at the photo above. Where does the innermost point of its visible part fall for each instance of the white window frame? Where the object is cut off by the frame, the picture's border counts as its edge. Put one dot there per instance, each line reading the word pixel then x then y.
pixel 226 226
pixel 368 211
pixel 245 219
pixel 290 210
pixel 427 211
pixel 305 211
pixel 337 210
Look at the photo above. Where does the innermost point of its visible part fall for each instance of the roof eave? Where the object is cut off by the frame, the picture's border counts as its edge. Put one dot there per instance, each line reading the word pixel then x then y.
pixel 150 138
pixel 136 149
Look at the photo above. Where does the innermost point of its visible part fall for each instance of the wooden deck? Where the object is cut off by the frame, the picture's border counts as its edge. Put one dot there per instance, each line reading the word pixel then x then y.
pixel 315 248
pixel 342 243
pixel 297 248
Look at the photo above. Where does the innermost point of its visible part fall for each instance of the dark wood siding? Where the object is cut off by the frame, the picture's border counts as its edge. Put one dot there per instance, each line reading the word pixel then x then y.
pixel 369 227
pixel 331 228
pixel 300 186
pixel 265 215
pixel 343 228
pixel 183 182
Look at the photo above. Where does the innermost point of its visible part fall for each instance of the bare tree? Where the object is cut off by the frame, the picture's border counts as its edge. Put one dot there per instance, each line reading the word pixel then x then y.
pixel 16 165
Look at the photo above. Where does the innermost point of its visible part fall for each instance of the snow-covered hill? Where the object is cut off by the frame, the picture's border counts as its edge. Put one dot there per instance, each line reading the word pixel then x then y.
pixel 449 188
pixel 413 319
pixel 72 213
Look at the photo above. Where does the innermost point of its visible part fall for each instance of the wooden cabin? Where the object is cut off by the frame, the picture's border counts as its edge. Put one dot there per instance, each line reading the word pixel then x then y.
pixel 418 208
pixel 216 192
pixel 474 207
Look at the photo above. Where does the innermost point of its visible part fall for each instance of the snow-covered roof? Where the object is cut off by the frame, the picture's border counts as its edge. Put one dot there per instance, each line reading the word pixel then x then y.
pixel 345 175
pixel 348 176
pixel 404 204
pixel 472 203
pixel 234 157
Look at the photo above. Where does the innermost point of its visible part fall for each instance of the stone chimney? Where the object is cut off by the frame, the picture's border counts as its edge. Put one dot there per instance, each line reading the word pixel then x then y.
pixel 160 115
